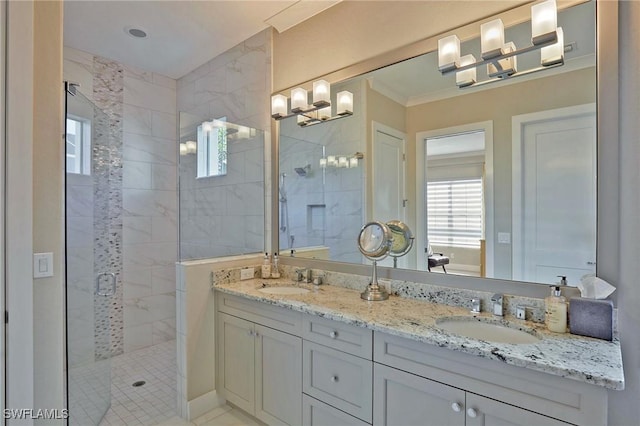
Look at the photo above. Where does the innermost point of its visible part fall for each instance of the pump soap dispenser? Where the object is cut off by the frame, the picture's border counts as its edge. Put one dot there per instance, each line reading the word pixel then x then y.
pixel 556 311
pixel 266 267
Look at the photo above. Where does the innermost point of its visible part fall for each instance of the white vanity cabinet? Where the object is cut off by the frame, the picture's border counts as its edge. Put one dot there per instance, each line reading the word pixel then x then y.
pixel 337 371
pixel 288 368
pixel 406 399
pixel 417 383
pixel 260 367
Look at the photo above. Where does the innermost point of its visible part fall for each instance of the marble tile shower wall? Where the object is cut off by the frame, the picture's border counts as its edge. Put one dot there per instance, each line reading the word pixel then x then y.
pixel 225 215
pixel 148 194
pixel 325 206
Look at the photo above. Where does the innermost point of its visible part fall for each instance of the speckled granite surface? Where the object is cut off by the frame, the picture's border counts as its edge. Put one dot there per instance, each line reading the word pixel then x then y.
pixel 584 359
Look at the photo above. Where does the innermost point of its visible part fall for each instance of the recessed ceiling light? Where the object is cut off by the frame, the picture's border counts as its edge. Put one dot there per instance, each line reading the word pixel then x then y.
pixel 135 32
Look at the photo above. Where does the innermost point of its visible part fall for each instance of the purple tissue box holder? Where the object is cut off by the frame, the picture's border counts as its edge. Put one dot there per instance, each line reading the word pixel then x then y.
pixel 591 318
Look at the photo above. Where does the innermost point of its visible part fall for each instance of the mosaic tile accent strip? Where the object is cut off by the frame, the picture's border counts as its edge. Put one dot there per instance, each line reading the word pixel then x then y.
pixel 106 169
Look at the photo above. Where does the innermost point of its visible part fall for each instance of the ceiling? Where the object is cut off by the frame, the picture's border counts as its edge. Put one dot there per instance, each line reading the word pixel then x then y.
pixel 181 35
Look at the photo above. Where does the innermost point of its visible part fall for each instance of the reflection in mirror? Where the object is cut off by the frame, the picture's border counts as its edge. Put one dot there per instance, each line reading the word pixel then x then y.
pixel 500 179
pixel 221 188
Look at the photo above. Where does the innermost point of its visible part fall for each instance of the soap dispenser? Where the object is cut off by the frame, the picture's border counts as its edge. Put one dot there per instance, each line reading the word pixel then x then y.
pixel 266 266
pixel 275 270
pixel 563 280
pixel 556 311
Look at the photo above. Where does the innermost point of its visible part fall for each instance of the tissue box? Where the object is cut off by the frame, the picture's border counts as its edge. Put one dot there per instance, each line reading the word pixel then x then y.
pixel 591 318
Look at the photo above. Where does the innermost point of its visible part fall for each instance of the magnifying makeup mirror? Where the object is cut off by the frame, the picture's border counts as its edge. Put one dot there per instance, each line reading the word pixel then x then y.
pixel 402 240
pixel 375 241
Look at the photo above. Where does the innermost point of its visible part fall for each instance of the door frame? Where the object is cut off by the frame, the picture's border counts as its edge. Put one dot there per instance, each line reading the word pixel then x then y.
pixel 421 175
pixel 518 123
pixel 377 127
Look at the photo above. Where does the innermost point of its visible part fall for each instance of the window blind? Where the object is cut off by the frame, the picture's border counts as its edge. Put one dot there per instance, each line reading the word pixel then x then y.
pixel 454 210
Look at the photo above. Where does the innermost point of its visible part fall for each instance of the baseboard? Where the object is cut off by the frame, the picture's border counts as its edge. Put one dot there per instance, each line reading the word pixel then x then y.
pixel 203 404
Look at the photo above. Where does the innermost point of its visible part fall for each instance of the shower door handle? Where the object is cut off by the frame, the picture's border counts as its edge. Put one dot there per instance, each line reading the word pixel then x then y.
pixel 112 289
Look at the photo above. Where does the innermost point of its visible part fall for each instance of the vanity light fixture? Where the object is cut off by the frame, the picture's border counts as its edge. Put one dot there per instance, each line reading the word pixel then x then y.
pixel 188 147
pixel 319 111
pixel 341 161
pixel 500 57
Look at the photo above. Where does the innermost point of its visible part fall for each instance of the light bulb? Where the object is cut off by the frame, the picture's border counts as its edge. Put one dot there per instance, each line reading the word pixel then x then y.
pixel 492 38
pixel 278 106
pixel 321 93
pixel 448 53
pixel 299 100
pixel 345 103
pixel 544 21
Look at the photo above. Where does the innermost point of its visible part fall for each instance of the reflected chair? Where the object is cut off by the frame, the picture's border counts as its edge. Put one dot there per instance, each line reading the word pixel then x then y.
pixel 435 259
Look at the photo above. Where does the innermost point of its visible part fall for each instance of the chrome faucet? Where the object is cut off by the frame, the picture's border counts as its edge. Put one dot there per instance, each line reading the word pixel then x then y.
pixel 497 304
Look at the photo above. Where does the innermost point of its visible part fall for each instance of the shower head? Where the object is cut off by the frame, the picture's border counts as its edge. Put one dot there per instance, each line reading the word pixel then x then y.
pixel 303 171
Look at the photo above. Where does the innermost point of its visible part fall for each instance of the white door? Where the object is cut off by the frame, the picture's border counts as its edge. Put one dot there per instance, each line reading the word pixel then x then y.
pixel 558 187
pixel 388 178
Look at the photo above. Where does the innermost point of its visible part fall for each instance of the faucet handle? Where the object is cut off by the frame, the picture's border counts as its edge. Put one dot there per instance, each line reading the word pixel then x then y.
pixel 475 306
pixel 497 302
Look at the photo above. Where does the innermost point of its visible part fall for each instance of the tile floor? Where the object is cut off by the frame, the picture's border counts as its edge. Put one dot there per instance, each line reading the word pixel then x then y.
pixel 154 403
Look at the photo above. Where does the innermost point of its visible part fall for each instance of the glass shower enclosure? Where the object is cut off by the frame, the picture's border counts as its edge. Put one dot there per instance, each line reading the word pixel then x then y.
pixel 91 240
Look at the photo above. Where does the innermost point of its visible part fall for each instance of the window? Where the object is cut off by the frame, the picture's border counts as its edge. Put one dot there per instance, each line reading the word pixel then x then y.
pixel 454 210
pixel 78 150
pixel 212 148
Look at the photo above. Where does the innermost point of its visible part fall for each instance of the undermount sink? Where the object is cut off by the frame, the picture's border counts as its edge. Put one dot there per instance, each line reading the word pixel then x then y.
pixel 482 330
pixel 283 290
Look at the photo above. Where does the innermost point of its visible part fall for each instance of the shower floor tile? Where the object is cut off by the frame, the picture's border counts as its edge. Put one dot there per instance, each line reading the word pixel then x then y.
pixel 149 404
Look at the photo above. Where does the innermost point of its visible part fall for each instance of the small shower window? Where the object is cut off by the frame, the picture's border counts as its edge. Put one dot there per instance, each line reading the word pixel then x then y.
pixel 78 149
pixel 212 148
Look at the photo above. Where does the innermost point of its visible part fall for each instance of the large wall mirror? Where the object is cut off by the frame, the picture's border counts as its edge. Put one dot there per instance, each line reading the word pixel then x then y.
pixel 499 179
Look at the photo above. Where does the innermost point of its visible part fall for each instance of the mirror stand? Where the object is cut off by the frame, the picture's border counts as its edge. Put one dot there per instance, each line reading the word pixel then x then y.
pixel 374 292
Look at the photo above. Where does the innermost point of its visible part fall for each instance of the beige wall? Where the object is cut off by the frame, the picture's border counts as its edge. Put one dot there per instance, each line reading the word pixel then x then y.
pixel 35 357
pixel 500 105
pixel 48 236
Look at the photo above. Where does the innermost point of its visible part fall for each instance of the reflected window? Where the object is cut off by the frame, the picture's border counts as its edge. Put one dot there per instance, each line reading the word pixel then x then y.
pixel 454 210
pixel 78 149
pixel 212 148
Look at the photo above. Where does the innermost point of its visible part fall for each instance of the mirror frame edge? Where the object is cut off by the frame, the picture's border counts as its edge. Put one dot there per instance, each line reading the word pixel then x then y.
pixel 607 184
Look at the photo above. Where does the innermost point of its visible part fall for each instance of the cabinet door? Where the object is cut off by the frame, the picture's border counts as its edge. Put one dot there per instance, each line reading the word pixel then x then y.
pixel 483 411
pixel 236 361
pixel 278 367
pixel 317 413
pixel 339 379
pixel 405 399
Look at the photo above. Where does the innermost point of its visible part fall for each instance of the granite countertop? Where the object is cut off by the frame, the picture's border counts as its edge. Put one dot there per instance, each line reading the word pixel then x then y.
pixel 585 359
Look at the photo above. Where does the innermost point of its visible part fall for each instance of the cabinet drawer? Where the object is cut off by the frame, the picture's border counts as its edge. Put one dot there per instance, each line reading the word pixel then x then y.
pixel 317 413
pixel 564 399
pixel 344 337
pixel 339 379
pixel 260 313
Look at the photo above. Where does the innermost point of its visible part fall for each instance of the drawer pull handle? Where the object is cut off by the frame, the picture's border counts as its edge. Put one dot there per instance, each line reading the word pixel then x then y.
pixel 333 334
pixel 456 407
pixel 334 379
pixel 250 333
pixel 471 412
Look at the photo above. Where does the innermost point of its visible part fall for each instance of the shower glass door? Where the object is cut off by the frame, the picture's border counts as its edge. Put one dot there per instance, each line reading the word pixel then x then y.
pixel 90 282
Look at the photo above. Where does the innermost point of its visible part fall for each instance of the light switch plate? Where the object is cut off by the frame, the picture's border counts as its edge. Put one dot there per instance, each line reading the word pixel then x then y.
pixel 42 265
pixel 246 273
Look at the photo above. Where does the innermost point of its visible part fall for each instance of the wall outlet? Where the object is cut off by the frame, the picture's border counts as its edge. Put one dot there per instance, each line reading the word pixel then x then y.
pixel 247 273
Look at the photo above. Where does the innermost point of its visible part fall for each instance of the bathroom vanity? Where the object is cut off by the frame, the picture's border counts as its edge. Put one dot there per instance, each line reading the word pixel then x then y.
pixel 326 357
